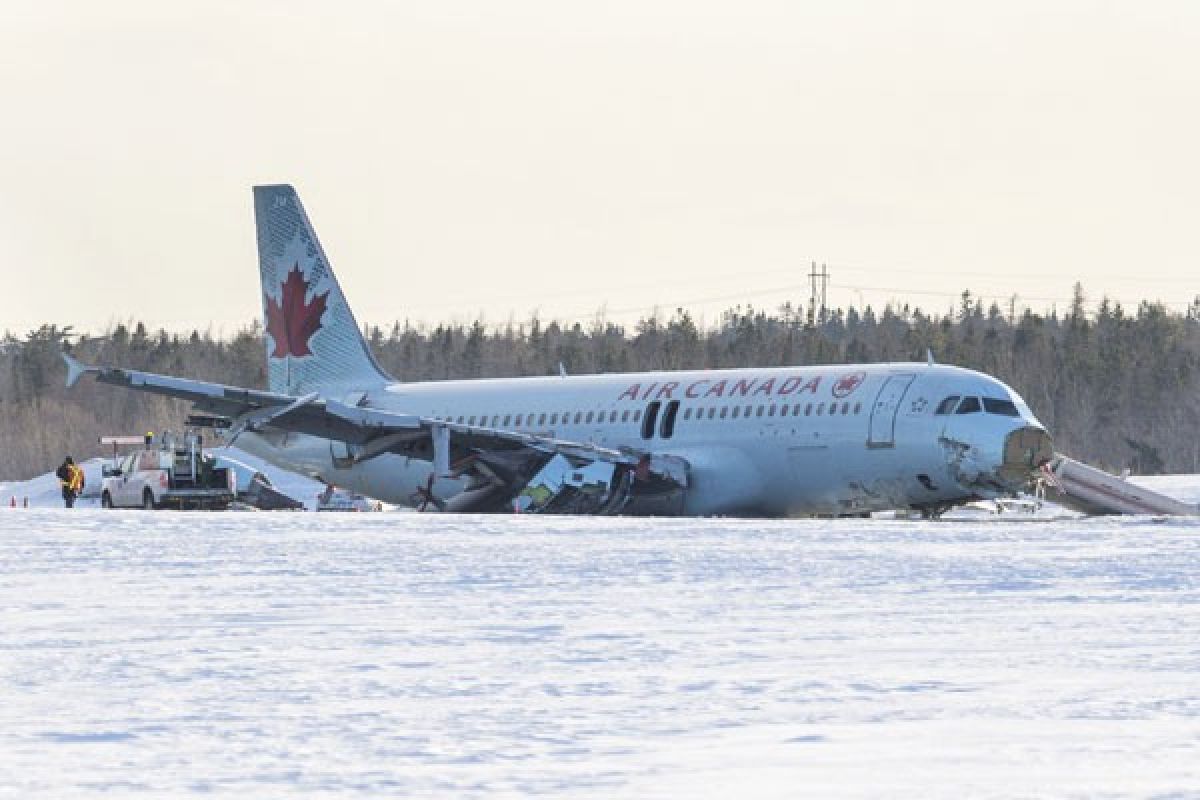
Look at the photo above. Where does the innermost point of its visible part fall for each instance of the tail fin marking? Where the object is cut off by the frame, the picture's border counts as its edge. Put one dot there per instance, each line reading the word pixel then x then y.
pixel 313 340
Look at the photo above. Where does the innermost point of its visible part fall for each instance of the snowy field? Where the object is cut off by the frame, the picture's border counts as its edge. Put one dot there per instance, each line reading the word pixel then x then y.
pixel 256 655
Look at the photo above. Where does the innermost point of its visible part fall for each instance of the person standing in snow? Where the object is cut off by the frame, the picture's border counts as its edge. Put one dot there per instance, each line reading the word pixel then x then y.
pixel 71 478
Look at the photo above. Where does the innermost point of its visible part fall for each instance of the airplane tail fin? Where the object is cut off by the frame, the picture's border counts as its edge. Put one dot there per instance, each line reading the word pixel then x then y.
pixel 313 340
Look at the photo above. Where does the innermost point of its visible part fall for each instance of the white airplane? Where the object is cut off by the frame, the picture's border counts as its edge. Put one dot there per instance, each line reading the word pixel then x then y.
pixel 779 441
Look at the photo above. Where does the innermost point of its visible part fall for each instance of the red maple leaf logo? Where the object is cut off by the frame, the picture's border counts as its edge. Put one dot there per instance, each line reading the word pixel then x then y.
pixel 292 322
pixel 848 383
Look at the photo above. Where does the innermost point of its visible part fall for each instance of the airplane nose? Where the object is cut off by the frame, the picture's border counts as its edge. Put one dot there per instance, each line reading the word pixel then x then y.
pixel 1025 450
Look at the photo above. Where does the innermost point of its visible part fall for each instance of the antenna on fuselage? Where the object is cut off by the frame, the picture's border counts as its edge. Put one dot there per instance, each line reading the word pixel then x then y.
pixel 929 357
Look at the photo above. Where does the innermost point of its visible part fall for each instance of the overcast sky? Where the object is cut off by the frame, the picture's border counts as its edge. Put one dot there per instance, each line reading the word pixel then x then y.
pixel 461 158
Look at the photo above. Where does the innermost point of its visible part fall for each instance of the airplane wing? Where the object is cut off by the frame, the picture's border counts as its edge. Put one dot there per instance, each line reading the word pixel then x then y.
pixel 501 466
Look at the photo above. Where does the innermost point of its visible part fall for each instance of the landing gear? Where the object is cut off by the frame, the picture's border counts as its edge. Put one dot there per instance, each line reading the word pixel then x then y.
pixel 423 497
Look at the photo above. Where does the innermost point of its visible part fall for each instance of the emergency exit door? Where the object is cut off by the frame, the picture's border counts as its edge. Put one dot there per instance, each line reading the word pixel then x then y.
pixel 882 431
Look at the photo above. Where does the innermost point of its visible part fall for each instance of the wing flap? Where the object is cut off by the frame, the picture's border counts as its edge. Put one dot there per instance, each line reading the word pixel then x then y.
pixel 219 398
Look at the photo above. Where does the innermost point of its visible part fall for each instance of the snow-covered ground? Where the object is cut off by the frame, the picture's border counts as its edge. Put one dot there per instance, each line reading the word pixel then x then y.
pixel 254 655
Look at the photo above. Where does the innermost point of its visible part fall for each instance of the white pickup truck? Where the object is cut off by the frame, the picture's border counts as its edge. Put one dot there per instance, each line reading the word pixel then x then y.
pixel 160 477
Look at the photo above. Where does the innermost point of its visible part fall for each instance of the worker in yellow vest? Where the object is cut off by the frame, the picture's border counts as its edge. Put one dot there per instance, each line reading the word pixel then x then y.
pixel 70 476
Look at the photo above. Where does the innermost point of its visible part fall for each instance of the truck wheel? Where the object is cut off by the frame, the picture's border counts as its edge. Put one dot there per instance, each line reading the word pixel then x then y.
pixel 106 500
pixel 148 500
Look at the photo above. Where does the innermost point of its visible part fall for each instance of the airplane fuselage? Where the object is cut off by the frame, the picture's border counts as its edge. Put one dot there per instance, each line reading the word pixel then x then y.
pixel 759 442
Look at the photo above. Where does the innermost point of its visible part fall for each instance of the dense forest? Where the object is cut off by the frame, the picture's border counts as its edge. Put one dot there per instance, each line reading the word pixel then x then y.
pixel 1117 388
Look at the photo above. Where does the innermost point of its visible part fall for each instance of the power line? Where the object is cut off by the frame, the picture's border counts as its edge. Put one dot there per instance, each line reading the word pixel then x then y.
pixel 817 286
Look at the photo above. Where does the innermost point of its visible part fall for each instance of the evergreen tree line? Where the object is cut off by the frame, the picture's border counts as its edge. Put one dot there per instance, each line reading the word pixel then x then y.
pixel 1116 388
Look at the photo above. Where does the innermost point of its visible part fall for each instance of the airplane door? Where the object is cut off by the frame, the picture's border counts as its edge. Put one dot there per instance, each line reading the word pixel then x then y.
pixel 882 432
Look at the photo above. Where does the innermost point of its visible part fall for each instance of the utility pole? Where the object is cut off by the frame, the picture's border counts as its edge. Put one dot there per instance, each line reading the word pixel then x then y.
pixel 819 285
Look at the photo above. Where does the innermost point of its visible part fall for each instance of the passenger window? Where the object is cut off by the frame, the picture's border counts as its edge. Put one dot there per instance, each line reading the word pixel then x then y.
pixel 588 418
pixel 758 412
pixel 507 420
pixel 495 420
pixel 857 407
pixel 637 415
pixel 947 405
pixel 542 419
pixel 471 421
pixel 554 418
pixel 612 417
pixel 712 412
pixel 668 424
pixel 687 413
pixel 736 409
pixel 724 411
pixel 820 409
pixel 969 405
pixel 845 409
pixel 650 419
pixel 625 416
pixel 1005 408
pixel 770 411
pixel 578 417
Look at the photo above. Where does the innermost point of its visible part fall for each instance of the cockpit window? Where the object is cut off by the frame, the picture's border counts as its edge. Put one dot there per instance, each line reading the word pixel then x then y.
pixel 1005 408
pixel 969 405
pixel 947 405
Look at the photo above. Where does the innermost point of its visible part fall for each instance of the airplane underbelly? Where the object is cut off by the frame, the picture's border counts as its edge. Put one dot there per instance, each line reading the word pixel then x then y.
pixel 396 479
pixel 831 476
pixel 812 478
pixel 724 480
